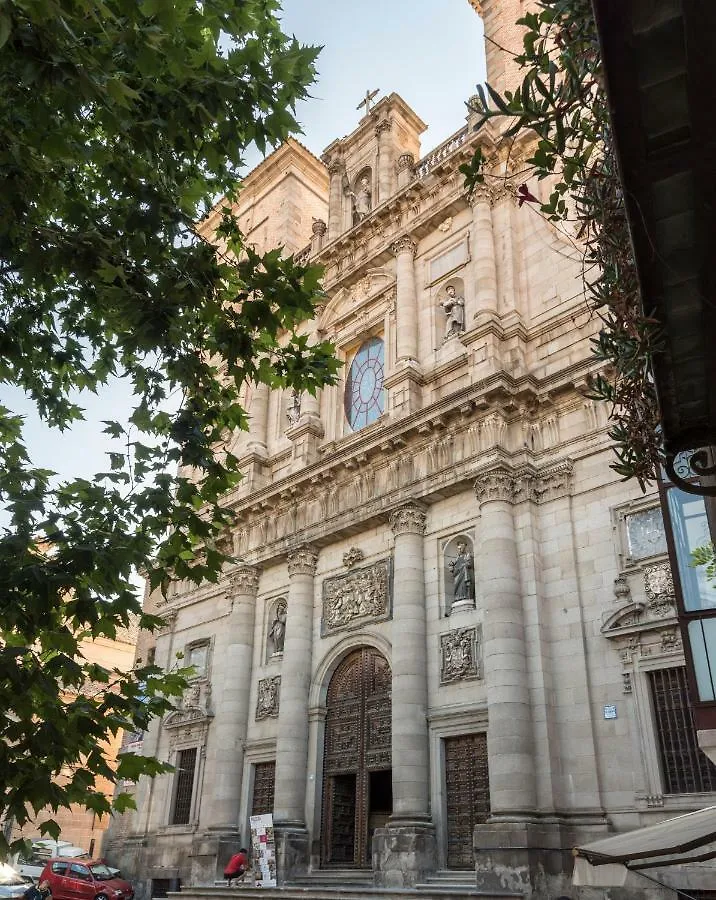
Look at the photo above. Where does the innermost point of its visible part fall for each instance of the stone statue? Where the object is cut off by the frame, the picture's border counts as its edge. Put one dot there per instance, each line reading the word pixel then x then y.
pixel 293 413
pixel 277 633
pixel 454 309
pixel 462 569
pixel 362 200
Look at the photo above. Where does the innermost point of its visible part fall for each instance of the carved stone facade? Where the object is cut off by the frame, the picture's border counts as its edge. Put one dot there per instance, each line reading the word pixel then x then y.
pixel 269 696
pixel 353 600
pixel 565 607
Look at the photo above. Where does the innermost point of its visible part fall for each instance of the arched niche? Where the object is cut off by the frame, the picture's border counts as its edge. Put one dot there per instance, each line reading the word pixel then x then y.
pixel 458 572
pixel 449 310
pixel 275 628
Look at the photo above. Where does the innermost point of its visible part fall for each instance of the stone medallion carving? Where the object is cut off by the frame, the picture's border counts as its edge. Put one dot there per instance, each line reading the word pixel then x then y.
pixel 459 655
pixel 362 595
pixel 268 698
pixel 659 588
pixel 352 557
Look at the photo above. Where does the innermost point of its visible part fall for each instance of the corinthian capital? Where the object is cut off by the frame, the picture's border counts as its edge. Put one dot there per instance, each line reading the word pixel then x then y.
pixel 496 484
pixel 244 579
pixel 383 127
pixel 404 244
pixel 302 561
pixel 334 165
pixel 409 519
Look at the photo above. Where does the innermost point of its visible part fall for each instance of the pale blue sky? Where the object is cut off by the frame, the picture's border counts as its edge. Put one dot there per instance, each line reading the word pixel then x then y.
pixel 428 51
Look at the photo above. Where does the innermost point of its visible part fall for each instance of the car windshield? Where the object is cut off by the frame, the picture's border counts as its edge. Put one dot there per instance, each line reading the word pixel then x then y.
pixel 8 876
pixel 101 872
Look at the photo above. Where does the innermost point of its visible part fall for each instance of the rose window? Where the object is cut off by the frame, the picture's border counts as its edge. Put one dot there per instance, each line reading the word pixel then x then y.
pixel 364 398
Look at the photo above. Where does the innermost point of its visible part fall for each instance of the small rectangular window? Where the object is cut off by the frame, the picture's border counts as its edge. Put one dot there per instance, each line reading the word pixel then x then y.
pixel 686 768
pixel 197 656
pixel 184 786
pixel 59 868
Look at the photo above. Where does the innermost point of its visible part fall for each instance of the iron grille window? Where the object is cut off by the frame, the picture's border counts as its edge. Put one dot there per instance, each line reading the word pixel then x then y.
pixel 184 786
pixel 264 779
pixel 686 769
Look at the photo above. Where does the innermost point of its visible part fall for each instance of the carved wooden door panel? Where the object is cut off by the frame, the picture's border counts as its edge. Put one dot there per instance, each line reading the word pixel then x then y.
pixel 357 742
pixel 467 790
pixel 264 781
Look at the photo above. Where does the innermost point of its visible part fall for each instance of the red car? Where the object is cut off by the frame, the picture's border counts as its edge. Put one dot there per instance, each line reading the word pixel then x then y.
pixel 84 879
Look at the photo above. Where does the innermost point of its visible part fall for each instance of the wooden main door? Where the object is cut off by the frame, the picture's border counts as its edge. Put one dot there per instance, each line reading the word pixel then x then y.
pixel 357 785
pixel 467 790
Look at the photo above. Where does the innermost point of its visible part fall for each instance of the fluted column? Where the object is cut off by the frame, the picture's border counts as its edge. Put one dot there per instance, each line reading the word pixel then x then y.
pixel 406 303
pixel 335 198
pixel 292 742
pixel 258 418
pixel 233 660
pixel 386 178
pixel 411 777
pixel 484 267
pixel 509 736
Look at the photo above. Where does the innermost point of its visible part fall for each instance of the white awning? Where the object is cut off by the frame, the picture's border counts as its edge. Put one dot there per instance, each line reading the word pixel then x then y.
pixel 683 839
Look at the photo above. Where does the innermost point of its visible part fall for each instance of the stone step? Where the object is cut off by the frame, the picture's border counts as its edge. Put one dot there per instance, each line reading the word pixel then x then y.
pixel 343 892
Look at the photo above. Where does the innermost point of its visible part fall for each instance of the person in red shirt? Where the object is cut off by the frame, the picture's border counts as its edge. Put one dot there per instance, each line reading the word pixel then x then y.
pixel 237 866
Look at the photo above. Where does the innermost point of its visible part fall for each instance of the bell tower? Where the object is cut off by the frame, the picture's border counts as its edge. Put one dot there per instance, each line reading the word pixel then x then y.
pixel 363 167
pixel 503 40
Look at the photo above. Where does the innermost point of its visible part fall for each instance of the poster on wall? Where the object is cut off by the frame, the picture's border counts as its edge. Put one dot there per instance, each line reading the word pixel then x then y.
pixel 263 850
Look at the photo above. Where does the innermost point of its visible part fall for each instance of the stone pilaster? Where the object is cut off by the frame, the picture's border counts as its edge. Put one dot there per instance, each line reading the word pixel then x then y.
pixel 504 847
pixel 484 267
pixel 258 418
pixel 386 171
pixel 292 744
pixel 404 851
pixel 233 656
pixel 335 197
pixel 404 383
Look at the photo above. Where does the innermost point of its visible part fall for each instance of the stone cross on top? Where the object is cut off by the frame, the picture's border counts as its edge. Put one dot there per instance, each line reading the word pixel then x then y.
pixel 366 101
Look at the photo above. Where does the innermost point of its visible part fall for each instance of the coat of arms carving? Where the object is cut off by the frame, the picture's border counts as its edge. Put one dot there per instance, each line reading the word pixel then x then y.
pixel 360 596
pixel 459 655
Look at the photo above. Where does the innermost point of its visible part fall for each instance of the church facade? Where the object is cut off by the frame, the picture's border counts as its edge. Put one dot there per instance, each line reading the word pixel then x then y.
pixel 449 638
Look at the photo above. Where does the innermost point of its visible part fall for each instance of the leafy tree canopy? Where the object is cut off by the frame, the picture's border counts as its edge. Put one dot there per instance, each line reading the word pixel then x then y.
pixel 120 122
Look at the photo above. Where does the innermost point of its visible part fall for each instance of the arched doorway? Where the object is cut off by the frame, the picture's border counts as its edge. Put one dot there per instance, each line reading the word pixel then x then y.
pixel 357 785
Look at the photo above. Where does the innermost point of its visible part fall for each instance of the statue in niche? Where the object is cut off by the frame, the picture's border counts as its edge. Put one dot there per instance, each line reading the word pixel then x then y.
pixel 362 200
pixel 293 413
pixel 277 632
pixel 463 573
pixel 454 308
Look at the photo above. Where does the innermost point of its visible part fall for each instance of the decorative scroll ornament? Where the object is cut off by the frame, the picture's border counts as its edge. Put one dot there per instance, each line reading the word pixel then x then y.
pixel 458 655
pixel 244 580
pixel 268 699
pixel 408 519
pixel 302 561
pixel 659 588
pixel 352 557
pixel 689 464
pixel 359 596
pixel 404 244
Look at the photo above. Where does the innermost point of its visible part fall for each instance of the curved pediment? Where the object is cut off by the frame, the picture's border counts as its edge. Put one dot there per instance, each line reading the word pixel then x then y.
pixel 347 300
pixel 189 715
pixel 635 617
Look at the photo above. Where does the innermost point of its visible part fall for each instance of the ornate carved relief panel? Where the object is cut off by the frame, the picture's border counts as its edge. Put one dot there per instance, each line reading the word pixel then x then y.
pixel 460 653
pixel 268 699
pixel 362 595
